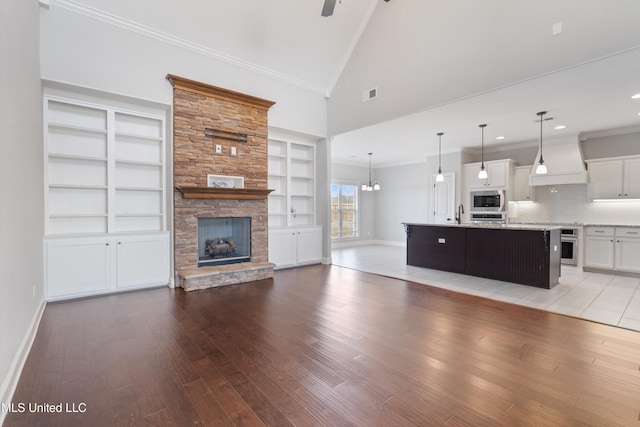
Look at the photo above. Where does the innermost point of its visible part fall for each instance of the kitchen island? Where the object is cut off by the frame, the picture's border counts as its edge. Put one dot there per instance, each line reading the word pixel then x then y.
pixel 524 254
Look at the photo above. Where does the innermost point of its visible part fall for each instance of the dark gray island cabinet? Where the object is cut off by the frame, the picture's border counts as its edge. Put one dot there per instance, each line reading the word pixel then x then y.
pixel 528 255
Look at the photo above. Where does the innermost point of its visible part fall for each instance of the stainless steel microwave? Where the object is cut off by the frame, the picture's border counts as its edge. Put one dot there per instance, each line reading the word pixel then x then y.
pixel 488 201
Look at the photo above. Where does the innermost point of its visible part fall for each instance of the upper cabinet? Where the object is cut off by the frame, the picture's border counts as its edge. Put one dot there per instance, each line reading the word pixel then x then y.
pixel 614 178
pixel 498 172
pixel 292 175
pixel 522 191
pixel 105 169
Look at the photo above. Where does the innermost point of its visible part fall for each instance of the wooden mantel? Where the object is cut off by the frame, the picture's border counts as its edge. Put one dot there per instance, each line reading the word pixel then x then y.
pixel 223 193
pixel 218 92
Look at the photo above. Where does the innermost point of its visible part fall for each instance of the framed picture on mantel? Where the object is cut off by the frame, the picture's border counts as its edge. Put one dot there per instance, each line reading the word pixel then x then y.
pixel 225 181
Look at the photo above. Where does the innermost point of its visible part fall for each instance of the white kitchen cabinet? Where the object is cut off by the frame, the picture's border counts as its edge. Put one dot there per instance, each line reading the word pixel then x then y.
pixel 599 252
pixel 627 249
pixel 290 247
pixel 498 172
pixel 522 191
pixel 83 266
pixel 614 178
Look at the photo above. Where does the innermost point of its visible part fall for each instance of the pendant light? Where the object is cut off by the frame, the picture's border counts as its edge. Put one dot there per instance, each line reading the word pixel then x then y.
pixel 483 173
pixel 541 169
pixel 375 185
pixel 440 177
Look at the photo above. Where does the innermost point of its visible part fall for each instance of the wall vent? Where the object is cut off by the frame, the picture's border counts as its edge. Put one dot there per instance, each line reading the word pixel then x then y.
pixel 370 94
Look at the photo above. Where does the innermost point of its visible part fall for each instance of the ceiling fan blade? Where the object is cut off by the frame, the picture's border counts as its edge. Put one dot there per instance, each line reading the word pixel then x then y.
pixel 327 9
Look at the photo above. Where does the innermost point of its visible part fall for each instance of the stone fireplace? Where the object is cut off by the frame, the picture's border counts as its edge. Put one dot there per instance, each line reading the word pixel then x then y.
pixel 223 133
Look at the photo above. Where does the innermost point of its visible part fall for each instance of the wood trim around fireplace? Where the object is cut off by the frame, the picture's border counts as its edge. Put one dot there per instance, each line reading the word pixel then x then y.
pixel 223 193
pixel 218 92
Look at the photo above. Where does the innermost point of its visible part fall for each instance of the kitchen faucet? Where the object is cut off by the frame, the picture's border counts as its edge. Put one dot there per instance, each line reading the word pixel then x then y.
pixel 459 214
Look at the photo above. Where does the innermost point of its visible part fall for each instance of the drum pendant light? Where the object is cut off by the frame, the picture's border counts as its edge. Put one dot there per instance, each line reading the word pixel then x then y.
pixel 483 173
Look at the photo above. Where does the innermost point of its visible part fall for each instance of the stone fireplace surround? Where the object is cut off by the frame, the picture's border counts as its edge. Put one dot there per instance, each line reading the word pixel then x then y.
pixel 198 106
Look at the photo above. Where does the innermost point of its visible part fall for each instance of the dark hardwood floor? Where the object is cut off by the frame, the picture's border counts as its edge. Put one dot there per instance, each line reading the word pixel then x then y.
pixel 329 346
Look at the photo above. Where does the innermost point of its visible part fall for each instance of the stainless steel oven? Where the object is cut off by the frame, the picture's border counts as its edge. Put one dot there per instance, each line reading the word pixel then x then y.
pixel 569 242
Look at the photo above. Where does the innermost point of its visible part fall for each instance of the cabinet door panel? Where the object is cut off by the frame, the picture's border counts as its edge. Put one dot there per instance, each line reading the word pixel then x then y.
pixel 598 252
pixel 76 267
pixel 142 261
pixel 282 247
pixel 497 175
pixel 605 179
pixel 628 254
pixel 632 178
pixel 309 245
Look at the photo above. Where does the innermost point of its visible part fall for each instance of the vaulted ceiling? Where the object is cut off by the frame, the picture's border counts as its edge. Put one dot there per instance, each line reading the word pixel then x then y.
pixel 438 66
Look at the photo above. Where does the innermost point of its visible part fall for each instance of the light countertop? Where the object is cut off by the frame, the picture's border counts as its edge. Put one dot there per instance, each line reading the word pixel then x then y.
pixel 532 227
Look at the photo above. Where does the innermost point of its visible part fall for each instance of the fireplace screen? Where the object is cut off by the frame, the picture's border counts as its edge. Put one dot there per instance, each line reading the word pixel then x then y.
pixel 223 240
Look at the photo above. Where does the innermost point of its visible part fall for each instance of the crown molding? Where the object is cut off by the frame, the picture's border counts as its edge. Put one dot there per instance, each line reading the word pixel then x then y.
pixel 93 13
pixel 218 92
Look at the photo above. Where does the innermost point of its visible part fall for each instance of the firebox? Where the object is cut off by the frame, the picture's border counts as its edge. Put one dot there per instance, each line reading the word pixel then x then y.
pixel 225 240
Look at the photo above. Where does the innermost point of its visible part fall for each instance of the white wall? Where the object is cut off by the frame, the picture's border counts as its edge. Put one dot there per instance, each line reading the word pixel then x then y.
pixel 357 175
pixel 21 174
pixel 626 144
pixel 403 198
pixel 85 50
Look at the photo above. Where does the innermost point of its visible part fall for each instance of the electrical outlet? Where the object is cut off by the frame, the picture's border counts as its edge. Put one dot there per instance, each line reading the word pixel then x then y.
pixel 234 151
pixel 218 149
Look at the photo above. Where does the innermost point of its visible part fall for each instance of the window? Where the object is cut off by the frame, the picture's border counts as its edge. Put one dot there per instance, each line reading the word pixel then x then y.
pixel 344 210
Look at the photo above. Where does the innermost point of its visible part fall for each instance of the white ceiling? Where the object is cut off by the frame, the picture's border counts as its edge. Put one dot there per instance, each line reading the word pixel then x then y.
pixel 441 66
pixel 587 98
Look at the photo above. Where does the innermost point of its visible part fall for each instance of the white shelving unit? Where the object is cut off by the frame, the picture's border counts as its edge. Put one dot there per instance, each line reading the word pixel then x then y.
pixel 105 179
pixel 292 177
pixel 294 237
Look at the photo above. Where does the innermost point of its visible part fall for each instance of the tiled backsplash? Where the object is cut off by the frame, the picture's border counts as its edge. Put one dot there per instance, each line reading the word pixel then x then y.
pixel 568 204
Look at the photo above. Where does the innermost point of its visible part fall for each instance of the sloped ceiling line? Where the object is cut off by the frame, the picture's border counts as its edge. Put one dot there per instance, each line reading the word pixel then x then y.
pixel 135 27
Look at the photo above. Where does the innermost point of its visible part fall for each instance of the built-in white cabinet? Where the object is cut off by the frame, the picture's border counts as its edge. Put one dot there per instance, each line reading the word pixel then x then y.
pixel 614 178
pixel 498 172
pixel 522 191
pixel 84 266
pixel 292 177
pixel 105 198
pixel 613 248
pixel 599 247
pixel 290 247
pixel 627 249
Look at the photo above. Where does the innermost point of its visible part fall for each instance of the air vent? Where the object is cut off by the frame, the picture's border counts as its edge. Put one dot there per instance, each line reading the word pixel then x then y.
pixel 369 94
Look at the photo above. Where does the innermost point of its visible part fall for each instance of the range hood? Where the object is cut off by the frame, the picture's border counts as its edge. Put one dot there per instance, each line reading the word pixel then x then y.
pixel 564 160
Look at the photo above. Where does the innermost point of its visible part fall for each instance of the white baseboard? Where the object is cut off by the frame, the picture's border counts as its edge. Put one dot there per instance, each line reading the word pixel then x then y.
pixel 402 244
pixel 10 383
pixel 348 244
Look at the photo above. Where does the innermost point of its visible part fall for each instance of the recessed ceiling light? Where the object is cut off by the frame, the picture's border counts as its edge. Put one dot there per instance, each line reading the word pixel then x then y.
pixel 499 137
pixel 636 96
pixel 560 127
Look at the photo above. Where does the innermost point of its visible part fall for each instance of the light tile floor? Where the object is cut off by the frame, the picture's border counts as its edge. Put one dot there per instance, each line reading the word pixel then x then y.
pixel 605 298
